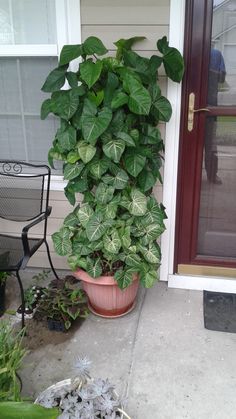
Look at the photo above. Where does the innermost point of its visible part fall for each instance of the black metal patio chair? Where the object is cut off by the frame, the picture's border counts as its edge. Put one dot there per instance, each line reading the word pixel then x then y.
pixel 24 198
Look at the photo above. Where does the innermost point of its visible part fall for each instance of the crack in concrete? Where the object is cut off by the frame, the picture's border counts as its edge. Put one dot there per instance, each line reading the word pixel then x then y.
pixel 130 371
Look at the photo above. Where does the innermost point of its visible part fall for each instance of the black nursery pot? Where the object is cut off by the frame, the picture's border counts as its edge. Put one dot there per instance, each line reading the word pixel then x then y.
pixel 56 325
pixel 2 298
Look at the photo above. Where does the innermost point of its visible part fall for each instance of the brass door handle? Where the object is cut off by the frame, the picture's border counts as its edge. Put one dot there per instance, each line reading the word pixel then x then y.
pixel 192 111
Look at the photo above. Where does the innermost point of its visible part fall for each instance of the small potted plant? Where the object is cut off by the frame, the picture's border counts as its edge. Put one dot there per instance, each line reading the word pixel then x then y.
pixel 83 397
pixel 61 304
pixel 112 152
pixel 33 295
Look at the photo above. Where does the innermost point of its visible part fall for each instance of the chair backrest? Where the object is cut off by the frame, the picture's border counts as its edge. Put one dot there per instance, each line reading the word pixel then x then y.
pixel 24 190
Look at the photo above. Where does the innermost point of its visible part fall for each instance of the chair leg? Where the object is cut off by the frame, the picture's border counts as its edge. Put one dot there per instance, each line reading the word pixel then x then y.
pixel 22 300
pixel 50 260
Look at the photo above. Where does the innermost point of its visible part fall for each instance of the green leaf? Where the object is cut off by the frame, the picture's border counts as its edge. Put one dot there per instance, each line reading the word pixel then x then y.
pixel 146 180
pixel 154 213
pixel 93 45
pixel 119 99
pixel 72 79
pixel 112 243
pixel 94 269
pixel 71 220
pixel 90 72
pixel 61 241
pixel 65 103
pixel 45 108
pixel 114 149
pixel 126 44
pixel 86 151
pixel 54 155
pixel 110 211
pixel 111 85
pixel 75 260
pixel 80 184
pixel 151 253
pixel 153 231
pixel 104 193
pixel 139 97
pixel 98 168
pixel 97 97
pixel 123 278
pixel 94 125
pixel 126 138
pixel 125 237
pixel 134 260
pixel 69 53
pixel 70 195
pixel 71 171
pixel 85 213
pixel 67 139
pixel 120 180
pixel 55 80
pixel 152 135
pixel 134 162
pixel 149 279
pixel 72 157
pixel 26 410
pixel 138 204
pixel 172 60
pixel 163 107
pixel 96 227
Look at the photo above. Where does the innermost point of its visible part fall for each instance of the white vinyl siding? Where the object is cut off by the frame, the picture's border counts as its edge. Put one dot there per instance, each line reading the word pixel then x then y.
pixel 111 20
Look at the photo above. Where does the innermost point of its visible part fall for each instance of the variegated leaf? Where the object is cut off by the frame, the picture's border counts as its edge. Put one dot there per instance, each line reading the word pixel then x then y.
pixel 138 204
pixel 85 213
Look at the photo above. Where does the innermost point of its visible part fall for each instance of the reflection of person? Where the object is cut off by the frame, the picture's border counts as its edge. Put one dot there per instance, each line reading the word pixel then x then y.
pixel 217 74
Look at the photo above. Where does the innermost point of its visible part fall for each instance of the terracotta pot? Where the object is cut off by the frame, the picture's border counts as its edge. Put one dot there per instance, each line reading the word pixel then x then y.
pixel 106 299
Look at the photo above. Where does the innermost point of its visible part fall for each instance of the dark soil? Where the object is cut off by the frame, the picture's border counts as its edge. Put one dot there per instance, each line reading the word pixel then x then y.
pixel 38 334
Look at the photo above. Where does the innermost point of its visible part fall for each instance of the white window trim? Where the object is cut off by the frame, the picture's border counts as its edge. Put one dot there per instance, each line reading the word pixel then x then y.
pixel 68 24
pixel 176 39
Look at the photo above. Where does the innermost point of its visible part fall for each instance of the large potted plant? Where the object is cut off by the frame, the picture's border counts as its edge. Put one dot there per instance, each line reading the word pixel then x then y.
pixel 112 153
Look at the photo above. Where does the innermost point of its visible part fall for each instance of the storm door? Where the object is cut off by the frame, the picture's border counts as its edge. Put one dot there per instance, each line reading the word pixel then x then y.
pixel 206 200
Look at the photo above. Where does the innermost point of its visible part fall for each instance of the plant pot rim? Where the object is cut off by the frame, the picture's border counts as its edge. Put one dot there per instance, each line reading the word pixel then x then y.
pixel 103 280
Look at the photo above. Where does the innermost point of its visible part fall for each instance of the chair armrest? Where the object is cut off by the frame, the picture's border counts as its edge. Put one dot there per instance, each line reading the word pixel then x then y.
pixel 24 234
pixel 37 220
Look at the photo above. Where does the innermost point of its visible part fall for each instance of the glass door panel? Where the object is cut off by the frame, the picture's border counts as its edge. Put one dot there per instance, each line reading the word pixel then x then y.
pixel 217 215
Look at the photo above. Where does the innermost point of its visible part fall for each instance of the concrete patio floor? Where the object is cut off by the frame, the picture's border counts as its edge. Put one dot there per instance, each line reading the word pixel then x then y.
pixel 160 358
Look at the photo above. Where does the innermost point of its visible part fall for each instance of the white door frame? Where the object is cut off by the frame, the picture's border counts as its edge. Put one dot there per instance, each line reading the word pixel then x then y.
pixel 176 39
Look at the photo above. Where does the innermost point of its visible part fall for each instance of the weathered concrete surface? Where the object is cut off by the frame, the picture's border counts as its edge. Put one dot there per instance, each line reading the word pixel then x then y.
pixel 159 356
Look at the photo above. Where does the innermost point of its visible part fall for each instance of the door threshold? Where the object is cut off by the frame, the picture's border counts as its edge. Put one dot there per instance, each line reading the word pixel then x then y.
pixel 200 283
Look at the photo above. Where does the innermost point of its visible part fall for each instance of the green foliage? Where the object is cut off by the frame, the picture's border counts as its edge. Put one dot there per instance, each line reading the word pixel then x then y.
pixel 62 302
pixel 11 356
pixel 3 277
pixel 112 152
pixel 26 410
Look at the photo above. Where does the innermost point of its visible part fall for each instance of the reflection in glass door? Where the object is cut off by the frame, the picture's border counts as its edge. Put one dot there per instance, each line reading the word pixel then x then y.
pixel 217 213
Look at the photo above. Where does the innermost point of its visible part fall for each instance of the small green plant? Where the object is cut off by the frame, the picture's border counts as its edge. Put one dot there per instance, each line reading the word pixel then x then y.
pixel 41 276
pixel 11 356
pixel 3 277
pixel 62 303
pixel 112 151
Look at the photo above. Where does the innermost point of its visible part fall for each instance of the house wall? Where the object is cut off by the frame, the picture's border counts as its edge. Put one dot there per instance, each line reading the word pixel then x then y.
pixel 111 20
